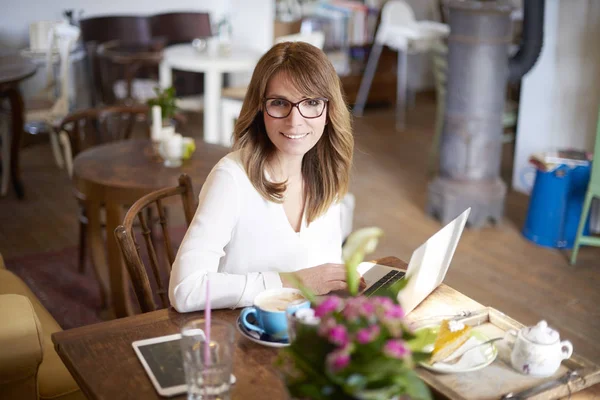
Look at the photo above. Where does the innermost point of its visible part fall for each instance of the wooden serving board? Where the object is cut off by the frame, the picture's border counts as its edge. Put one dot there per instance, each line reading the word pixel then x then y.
pixel 499 378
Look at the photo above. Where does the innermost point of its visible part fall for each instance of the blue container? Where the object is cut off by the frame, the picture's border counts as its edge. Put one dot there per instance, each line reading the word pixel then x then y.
pixel 555 206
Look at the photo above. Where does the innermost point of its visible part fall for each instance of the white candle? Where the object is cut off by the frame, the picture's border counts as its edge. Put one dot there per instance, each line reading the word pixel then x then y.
pixel 156 124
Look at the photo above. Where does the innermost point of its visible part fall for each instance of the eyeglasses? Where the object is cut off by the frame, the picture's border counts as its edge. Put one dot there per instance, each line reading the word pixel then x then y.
pixel 308 108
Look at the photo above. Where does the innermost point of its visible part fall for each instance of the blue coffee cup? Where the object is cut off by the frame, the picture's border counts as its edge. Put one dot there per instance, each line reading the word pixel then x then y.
pixel 270 309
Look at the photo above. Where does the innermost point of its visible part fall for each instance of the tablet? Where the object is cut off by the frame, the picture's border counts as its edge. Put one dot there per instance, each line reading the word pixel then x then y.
pixel 162 359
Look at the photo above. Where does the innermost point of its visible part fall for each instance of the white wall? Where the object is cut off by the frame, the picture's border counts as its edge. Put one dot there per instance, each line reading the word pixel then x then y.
pixel 561 94
pixel 253 19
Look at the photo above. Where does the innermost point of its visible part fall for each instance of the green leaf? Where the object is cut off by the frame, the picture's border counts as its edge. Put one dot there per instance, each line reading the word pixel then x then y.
pixel 363 240
pixel 422 338
pixel 166 99
pixel 358 244
pixel 414 386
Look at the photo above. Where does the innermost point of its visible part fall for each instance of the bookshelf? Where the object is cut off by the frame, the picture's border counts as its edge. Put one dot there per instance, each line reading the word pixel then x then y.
pixel 349 28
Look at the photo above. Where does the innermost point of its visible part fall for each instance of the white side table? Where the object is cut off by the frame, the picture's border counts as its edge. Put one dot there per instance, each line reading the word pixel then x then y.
pixel 186 58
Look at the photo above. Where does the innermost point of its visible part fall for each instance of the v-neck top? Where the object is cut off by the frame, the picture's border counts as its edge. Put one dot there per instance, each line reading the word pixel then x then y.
pixel 241 242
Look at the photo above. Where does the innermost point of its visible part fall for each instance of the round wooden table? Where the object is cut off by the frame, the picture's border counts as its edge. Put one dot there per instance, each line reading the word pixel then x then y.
pixel 14 69
pixel 117 174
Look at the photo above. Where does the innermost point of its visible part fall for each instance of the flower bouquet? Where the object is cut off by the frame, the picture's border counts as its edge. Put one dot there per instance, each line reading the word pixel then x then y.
pixel 355 347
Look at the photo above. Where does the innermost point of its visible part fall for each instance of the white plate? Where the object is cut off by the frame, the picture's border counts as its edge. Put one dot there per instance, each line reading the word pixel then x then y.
pixel 487 354
pixel 256 338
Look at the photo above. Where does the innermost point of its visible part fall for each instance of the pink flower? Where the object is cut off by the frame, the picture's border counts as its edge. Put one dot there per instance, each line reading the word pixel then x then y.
pixel 338 335
pixel 396 349
pixel 394 312
pixel 385 302
pixel 338 359
pixel 328 305
pixel 326 325
pixel 352 310
pixel 367 335
pixel 367 309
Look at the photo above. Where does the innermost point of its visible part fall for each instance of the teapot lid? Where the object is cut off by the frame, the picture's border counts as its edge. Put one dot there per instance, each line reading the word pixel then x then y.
pixel 541 333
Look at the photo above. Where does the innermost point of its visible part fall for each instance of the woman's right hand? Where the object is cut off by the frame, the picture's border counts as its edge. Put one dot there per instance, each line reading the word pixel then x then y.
pixel 321 279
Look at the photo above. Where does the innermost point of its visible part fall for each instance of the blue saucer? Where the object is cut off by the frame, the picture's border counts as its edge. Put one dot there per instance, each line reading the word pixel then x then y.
pixel 264 339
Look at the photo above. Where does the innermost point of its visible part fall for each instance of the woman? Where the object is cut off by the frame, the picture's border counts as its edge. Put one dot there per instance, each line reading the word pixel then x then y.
pixel 271 207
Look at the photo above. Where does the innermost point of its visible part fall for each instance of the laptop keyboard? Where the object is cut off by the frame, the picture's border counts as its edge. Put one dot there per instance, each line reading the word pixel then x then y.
pixel 389 279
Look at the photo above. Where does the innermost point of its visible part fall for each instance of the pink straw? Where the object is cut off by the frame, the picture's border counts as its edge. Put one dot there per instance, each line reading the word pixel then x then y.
pixel 207 324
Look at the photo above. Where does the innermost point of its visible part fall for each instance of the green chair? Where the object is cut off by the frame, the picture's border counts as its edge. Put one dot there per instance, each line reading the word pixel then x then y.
pixel 439 54
pixel 593 191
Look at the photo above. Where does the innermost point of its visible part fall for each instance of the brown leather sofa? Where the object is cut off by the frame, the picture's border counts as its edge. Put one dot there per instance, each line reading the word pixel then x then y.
pixel 29 365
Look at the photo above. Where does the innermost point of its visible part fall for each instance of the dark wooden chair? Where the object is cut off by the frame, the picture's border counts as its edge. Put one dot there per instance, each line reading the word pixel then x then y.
pixel 98 30
pixel 84 129
pixel 160 261
pixel 181 27
pixel 129 71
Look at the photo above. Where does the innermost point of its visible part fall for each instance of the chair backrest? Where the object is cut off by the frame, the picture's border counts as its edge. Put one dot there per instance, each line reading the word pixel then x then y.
pixel 121 60
pixel 65 36
pixel 133 28
pixel 181 27
pixel 397 13
pixel 95 126
pixel 160 263
pixel 97 30
pixel 316 38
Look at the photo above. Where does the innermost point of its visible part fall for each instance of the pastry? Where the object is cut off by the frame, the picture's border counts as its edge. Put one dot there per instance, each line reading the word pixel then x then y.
pixel 451 336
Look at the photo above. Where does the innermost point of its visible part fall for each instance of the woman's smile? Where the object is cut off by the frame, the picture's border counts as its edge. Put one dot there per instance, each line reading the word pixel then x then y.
pixel 294 136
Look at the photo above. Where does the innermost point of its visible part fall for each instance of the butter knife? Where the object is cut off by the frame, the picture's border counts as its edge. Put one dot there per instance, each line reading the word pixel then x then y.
pixel 542 387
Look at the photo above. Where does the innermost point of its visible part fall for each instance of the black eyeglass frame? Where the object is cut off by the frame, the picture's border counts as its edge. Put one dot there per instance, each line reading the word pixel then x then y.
pixel 297 105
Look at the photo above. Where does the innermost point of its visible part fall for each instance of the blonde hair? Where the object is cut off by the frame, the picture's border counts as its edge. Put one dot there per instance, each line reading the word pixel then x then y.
pixel 325 167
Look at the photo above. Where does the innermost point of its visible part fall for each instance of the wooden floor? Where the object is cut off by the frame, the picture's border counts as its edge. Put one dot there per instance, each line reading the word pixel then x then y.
pixel 494 265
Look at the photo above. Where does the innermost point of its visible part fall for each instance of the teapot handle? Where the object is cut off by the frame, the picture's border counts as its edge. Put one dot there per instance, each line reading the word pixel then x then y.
pixel 566 349
pixel 510 336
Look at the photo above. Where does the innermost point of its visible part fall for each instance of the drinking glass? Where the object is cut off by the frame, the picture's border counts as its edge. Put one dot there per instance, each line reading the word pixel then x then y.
pixel 208 372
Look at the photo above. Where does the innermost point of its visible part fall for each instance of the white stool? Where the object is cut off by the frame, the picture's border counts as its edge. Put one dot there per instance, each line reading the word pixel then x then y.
pixel 402 32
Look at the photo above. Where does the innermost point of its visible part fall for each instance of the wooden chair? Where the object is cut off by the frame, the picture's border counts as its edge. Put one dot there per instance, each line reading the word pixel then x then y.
pixel 122 65
pixel 97 30
pixel 181 27
pixel 87 128
pixel 592 191
pixel 126 238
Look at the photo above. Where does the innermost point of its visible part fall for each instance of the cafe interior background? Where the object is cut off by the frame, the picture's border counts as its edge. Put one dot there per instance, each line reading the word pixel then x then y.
pixel 515 254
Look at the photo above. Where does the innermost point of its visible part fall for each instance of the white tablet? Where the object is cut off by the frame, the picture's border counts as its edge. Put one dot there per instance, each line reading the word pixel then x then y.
pixel 163 361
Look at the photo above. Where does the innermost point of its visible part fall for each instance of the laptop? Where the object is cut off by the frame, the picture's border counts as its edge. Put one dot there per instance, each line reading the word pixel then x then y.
pixel 427 267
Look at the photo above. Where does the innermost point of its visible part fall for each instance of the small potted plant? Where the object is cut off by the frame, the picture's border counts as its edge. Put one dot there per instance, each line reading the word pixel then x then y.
pixel 165 98
pixel 356 347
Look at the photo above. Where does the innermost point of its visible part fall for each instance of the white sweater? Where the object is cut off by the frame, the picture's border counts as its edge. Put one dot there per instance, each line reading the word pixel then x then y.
pixel 241 241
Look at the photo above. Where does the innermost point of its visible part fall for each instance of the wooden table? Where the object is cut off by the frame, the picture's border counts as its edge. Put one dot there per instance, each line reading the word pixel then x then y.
pixel 13 70
pixel 102 361
pixel 117 174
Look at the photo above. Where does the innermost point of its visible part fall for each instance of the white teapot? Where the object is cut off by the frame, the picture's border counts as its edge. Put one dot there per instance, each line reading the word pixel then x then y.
pixel 538 350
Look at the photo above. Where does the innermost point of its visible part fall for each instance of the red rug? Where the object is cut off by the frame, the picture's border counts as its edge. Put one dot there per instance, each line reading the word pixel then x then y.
pixel 72 298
